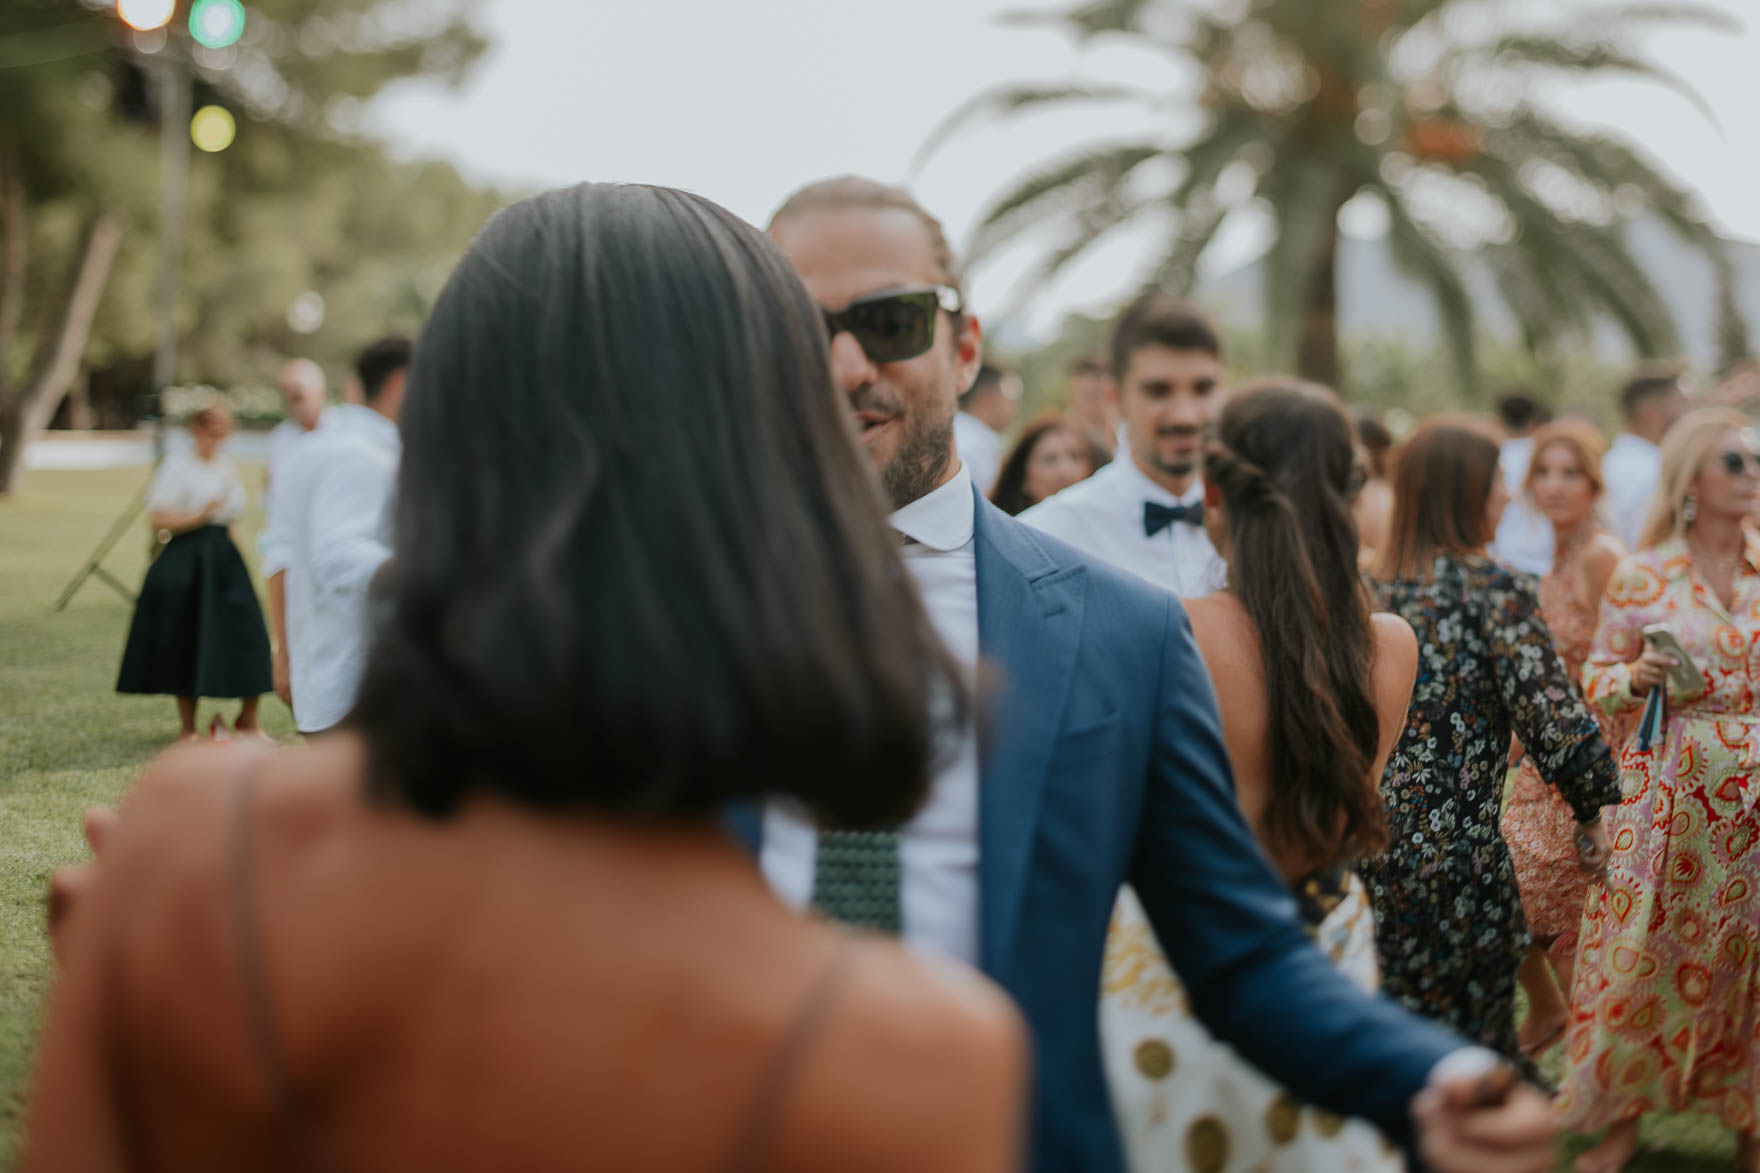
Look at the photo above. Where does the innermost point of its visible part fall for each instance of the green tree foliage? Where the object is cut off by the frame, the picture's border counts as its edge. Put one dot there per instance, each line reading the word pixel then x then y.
pixel 1424 106
pixel 302 200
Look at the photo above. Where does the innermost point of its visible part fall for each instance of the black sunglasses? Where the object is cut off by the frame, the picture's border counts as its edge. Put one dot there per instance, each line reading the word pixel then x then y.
pixel 894 327
pixel 1739 460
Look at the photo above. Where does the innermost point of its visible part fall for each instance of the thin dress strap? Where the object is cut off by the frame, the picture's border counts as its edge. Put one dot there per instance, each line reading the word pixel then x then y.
pixel 298 1129
pixel 766 1110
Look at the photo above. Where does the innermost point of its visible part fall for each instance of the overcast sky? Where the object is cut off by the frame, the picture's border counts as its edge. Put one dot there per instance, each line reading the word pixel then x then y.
pixel 744 100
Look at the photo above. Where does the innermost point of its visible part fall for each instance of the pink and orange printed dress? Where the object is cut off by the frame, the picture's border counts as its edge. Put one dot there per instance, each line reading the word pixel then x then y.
pixel 1665 1010
pixel 1538 823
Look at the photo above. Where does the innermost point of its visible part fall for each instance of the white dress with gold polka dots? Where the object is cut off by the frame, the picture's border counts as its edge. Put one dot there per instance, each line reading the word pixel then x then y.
pixel 1185 1101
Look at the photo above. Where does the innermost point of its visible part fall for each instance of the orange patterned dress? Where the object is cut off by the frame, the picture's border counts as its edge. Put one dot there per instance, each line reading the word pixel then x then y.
pixel 1537 822
pixel 1665 1010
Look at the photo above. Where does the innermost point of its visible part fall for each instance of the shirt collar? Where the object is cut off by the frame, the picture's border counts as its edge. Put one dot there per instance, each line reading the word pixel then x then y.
pixel 366 423
pixel 941 519
pixel 1139 487
pixel 1628 440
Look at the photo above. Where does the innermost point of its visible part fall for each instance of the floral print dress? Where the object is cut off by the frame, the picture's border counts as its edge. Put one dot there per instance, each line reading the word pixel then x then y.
pixel 1538 824
pixel 1449 920
pixel 1665 1009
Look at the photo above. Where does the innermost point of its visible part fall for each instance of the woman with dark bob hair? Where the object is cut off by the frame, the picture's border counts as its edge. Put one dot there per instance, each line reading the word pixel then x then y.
pixel 641 571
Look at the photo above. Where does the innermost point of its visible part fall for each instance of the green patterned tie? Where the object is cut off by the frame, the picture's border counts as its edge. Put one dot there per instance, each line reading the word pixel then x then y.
pixel 855 878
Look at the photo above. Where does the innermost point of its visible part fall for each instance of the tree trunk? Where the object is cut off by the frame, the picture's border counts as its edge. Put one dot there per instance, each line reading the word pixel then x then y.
pixel 79 404
pixel 1317 359
pixel 23 410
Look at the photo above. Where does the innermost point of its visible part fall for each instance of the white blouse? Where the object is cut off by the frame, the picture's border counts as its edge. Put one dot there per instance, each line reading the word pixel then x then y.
pixel 185 483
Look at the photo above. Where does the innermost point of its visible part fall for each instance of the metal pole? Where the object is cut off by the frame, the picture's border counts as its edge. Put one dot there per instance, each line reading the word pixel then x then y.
pixel 174 104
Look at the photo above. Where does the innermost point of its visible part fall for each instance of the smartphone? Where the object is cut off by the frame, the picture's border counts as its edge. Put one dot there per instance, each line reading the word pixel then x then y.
pixel 1683 674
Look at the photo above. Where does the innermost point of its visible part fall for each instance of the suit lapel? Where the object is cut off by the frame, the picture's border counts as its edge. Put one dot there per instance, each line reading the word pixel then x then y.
pixel 1029 629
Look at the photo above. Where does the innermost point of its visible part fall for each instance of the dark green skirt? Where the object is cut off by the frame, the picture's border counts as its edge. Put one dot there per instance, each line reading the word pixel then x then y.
pixel 197 629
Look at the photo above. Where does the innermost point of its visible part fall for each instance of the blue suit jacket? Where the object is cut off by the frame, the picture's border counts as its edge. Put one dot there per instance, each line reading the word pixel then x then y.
pixel 1103 762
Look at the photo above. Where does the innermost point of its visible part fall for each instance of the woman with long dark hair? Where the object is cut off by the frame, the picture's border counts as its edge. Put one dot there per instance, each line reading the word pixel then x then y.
pixel 198 629
pixel 1312 688
pixel 494 922
pixel 1448 914
pixel 1048 458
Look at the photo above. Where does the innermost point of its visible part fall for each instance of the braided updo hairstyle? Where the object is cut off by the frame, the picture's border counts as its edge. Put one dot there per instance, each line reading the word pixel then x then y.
pixel 1283 462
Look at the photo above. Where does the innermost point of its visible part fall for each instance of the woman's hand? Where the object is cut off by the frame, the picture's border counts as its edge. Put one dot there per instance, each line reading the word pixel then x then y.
pixel 1593 847
pixel 1650 670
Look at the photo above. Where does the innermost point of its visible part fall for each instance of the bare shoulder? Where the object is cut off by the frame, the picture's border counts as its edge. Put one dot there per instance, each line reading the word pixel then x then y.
pixel 1604 553
pixel 182 791
pixel 173 838
pixel 923 1066
pixel 1396 660
pixel 1395 641
pixel 1224 632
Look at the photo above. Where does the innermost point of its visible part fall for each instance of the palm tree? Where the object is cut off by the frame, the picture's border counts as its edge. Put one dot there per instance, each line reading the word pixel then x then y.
pixel 1308 104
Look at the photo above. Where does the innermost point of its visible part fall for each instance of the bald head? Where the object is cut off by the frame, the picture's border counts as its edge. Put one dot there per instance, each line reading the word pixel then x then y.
pixel 302 386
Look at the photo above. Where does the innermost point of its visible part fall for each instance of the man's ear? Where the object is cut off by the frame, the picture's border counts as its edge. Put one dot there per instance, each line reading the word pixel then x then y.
pixel 968 351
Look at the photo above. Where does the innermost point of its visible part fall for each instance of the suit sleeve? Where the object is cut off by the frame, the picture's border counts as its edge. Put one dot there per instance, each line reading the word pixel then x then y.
pixel 1229 927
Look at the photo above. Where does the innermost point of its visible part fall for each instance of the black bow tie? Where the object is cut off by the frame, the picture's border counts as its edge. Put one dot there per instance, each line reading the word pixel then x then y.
pixel 1158 517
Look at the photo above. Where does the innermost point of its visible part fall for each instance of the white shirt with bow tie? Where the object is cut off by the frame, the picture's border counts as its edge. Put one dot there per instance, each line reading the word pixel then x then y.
pixel 1103 517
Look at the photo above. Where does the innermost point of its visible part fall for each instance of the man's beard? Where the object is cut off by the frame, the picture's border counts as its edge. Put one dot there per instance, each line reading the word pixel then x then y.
pixel 921 460
pixel 1179 466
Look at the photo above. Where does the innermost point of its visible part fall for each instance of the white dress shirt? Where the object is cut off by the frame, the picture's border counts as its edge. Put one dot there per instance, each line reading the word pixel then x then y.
pixel 980 450
pixel 282 438
pixel 938 849
pixel 1103 517
pixel 1524 536
pixel 331 532
pixel 1632 472
pixel 185 483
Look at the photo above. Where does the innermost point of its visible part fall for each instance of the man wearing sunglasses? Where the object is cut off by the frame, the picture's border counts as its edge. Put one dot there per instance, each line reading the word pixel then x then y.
pixel 1102 762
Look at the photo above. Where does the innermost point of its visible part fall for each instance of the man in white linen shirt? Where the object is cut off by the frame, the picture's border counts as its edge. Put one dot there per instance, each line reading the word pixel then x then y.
pixel 303 391
pixel 330 535
pixel 985 412
pixel 1104 760
pixel 1652 401
pixel 1524 536
pixel 1144 512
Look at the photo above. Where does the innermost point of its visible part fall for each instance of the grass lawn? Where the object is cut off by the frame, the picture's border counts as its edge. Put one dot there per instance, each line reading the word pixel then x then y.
pixel 68 741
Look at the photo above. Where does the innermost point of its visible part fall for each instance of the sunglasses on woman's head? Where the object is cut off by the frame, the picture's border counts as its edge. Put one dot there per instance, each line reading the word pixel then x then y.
pixel 1736 461
pixel 897 326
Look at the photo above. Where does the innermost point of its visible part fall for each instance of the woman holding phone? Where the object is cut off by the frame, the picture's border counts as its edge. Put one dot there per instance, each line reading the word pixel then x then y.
pixel 1665 1002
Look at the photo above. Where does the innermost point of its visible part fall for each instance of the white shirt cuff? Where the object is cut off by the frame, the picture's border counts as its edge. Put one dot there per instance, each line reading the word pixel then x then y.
pixel 1466 1063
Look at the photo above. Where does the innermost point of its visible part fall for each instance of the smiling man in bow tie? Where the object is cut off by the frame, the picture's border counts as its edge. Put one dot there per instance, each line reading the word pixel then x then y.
pixel 1145 513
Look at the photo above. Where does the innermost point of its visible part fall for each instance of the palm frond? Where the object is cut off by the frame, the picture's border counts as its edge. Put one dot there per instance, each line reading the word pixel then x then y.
pixel 1092 225
pixel 1611 164
pixel 1095 17
pixel 1420 256
pixel 1008 100
pixel 1177 270
pixel 1704 15
pixel 1086 178
pixel 1592 258
pixel 1538 51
